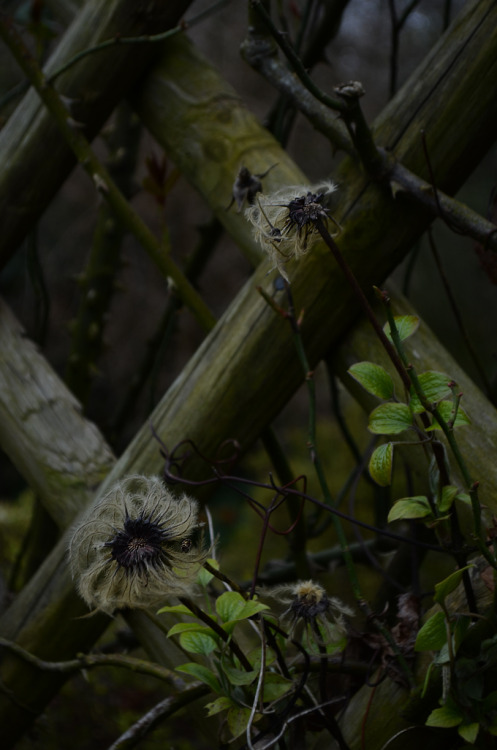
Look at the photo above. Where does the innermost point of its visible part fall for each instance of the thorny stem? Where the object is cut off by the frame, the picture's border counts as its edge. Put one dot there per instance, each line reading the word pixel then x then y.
pixel 408 376
pixel 295 61
pixel 323 680
pixel 456 547
pixel 298 537
pixel 456 313
pixel 100 176
pixel 98 280
pixel 471 484
pixel 316 460
pixel 368 310
pixel 209 236
pixel 144 39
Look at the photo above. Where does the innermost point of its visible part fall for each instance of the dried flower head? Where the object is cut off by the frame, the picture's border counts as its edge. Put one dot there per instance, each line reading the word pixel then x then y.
pixel 312 611
pixel 246 187
pixel 136 546
pixel 285 222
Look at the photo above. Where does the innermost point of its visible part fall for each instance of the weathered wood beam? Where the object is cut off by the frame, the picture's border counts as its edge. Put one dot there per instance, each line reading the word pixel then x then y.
pixel 39 418
pixel 35 160
pixel 246 369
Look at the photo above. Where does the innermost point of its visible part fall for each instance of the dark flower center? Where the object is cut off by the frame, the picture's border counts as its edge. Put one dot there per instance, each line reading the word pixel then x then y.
pixel 309 606
pixel 306 210
pixel 138 545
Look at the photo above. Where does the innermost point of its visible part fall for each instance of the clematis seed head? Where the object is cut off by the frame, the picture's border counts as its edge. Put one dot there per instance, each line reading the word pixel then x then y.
pixel 284 222
pixel 138 545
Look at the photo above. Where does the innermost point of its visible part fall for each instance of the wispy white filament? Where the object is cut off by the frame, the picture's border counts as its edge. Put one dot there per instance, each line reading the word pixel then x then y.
pixel 107 584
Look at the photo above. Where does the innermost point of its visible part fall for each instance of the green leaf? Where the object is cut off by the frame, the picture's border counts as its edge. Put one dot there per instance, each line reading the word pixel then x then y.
pixel 183 627
pixel 232 607
pixel 204 576
pixel 445 411
pixel 238 719
pixel 380 464
pixel 178 609
pixel 406 325
pixel 238 676
pixel 198 643
pixel 390 419
pixel 448 585
pixel 449 493
pixel 447 716
pixel 229 605
pixel 435 387
pixel 432 636
pixel 255 657
pixel 469 732
pixel 410 507
pixel 443 657
pixel 276 686
pixel 373 378
pixel 220 704
pixel 203 674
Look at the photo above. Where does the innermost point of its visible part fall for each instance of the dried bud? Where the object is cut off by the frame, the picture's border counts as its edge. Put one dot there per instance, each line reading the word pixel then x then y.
pixel 285 222
pixel 136 546
pixel 246 187
pixel 312 610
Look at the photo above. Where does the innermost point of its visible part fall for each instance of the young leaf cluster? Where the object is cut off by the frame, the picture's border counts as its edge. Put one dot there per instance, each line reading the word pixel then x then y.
pixel 469 699
pixel 431 395
pixel 231 682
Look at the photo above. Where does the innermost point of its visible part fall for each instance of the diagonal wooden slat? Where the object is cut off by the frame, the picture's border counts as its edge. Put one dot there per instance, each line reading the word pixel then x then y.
pixel 35 160
pixel 246 369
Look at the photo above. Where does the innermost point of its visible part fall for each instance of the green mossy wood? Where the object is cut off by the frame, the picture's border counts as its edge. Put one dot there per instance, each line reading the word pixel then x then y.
pixel 246 370
pixel 95 86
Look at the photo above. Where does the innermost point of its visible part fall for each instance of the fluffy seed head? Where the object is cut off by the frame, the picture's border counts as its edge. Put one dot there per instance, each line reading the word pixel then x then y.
pixel 310 600
pixel 311 609
pixel 136 546
pixel 284 222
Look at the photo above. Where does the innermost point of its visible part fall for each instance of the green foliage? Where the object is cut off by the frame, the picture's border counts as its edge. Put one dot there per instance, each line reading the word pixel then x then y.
pixel 446 412
pixel 202 673
pixel 390 419
pixel 432 636
pixel 381 464
pixel 410 507
pixel 435 387
pixel 232 608
pixel 448 585
pixel 374 378
pixel 221 669
pixel 406 326
pixel 469 702
pixel 447 716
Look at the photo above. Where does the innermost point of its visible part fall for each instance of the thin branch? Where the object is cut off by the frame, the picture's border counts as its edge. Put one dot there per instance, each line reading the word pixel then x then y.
pixel 456 215
pixel 296 63
pixel 134 40
pixel 90 661
pixel 261 56
pixel 457 314
pixel 100 176
pixel 160 712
